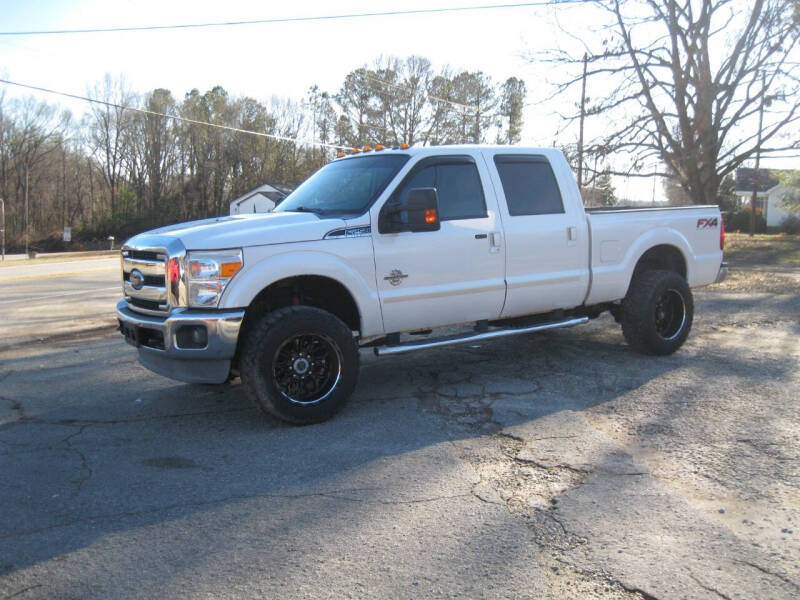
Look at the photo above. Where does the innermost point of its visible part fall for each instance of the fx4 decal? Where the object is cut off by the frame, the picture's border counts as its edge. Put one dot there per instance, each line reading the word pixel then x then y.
pixel 707 223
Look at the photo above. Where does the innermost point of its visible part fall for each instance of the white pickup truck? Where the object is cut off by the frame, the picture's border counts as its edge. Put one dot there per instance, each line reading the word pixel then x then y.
pixel 379 248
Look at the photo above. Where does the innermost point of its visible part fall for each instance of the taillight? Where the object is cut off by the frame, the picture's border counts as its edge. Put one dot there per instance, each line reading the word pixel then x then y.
pixel 722 235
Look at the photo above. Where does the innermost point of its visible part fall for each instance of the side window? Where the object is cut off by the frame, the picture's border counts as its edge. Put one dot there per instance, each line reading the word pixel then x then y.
pixel 458 186
pixel 529 185
pixel 460 192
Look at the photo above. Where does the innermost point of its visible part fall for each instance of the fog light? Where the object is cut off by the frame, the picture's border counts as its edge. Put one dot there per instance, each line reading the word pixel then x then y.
pixel 192 336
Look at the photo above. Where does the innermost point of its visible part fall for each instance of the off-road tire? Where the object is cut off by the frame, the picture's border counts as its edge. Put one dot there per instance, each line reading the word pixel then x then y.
pixel 264 347
pixel 644 325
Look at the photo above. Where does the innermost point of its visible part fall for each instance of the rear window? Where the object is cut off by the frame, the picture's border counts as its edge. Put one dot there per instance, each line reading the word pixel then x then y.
pixel 529 185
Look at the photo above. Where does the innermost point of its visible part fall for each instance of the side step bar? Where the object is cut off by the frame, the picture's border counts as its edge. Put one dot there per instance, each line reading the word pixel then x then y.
pixel 474 337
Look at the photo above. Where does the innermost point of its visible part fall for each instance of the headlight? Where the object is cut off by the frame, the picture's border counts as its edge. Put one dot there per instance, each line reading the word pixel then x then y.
pixel 207 274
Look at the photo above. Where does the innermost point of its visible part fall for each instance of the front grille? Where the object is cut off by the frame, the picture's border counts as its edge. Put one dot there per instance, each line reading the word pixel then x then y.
pixel 151 296
pixel 147 255
pixel 156 280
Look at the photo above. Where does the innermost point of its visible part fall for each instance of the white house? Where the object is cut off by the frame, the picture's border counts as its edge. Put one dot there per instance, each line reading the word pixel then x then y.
pixel 770 196
pixel 260 200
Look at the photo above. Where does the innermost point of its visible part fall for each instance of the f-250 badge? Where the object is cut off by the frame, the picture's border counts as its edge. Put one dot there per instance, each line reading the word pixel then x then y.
pixel 396 277
pixel 707 223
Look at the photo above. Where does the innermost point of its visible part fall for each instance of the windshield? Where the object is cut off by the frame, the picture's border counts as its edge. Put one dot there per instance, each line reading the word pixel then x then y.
pixel 344 187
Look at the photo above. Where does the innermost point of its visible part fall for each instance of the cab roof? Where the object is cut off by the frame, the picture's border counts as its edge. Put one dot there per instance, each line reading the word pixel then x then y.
pixel 449 149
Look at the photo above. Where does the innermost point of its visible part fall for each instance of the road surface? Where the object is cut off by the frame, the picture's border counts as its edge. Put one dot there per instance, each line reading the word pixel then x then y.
pixel 559 465
pixel 56 298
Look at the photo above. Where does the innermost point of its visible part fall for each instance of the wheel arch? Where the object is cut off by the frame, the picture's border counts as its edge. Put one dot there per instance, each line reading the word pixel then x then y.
pixel 666 255
pixel 663 257
pixel 318 291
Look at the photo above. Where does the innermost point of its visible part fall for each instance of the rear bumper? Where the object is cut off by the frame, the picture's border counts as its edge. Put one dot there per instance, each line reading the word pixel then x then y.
pixel 723 273
pixel 165 345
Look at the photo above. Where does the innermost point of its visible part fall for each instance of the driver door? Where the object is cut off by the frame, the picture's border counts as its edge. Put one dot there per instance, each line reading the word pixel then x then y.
pixel 446 277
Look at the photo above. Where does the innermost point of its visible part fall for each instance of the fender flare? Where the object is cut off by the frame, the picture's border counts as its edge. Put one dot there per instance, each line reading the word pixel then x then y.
pixel 662 236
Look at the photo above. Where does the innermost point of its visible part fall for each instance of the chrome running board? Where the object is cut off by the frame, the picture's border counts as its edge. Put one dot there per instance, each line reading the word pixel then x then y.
pixel 474 337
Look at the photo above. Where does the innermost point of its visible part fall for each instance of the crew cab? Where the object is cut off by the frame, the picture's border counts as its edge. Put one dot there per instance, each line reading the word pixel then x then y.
pixel 382 248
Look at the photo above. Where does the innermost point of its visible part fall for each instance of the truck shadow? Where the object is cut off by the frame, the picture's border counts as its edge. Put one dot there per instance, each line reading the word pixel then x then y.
pixel 84 463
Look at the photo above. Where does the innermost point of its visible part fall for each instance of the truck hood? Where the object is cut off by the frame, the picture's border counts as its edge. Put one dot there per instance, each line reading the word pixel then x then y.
pixel 248 230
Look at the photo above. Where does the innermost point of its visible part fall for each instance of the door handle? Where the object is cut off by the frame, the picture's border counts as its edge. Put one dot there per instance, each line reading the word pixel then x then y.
pixel 495 240
pixel 481 236
pixel 572 233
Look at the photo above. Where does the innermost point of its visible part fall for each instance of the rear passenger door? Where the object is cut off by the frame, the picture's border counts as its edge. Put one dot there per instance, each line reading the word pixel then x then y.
pixel 454 275
pixel 546 235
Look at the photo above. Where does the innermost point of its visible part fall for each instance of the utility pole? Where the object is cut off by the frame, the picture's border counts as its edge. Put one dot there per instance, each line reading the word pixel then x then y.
pixel 26 208
pixel 655 170
pixel 754 197
pixel 580 135
pixel 3 227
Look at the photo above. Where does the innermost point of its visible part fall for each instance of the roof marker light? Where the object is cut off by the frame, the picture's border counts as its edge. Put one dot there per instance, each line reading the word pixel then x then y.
pixel 355 151
pixel 366 149
pixel 340 155
pixel 403 146
pixel 379 147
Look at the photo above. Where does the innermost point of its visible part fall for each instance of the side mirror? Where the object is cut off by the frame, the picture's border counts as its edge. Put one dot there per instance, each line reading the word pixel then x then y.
pixel 419 212
pixel 423 209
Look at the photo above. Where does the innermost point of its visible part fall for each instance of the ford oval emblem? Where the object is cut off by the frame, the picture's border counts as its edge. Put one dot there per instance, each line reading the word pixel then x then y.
pixel 137 279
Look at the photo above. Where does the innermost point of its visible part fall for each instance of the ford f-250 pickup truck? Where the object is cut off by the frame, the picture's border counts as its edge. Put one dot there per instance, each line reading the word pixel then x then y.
pixel 386 245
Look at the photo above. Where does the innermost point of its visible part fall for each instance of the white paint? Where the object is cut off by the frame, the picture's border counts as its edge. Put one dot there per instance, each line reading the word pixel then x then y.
pixel 454 277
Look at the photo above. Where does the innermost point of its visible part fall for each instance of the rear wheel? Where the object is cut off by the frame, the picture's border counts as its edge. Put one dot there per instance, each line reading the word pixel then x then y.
pixel 300 364
pixel 657 312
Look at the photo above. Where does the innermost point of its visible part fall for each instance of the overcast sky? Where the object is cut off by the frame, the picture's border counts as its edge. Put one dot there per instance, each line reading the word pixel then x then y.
pixel 285 59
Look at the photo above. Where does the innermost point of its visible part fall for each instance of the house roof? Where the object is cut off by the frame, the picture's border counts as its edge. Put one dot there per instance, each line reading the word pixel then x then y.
pixel 284 188
pixel 745 179
pixel 273 192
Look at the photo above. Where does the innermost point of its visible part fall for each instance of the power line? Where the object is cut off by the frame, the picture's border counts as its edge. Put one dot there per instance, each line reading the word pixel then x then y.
pixel 429 96
pixel 175 117
pixel 294 19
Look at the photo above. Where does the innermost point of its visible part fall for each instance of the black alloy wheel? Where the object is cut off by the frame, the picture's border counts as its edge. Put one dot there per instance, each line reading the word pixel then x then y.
pixel 657 312
pixel 299 364
pixel 670 314
pixel 307 368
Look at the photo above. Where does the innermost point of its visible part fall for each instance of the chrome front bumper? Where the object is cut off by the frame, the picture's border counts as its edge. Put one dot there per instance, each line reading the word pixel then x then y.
pixel 161 348
pixel 722 274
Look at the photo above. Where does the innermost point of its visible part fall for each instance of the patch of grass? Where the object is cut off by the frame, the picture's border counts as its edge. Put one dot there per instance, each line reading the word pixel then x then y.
pixel 741 250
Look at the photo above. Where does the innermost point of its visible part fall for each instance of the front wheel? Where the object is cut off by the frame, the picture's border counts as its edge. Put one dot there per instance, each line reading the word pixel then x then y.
pixel 300 364
pixel 657 312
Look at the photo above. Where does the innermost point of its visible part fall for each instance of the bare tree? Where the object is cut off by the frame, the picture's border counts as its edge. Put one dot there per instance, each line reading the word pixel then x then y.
pixel 109 124
pixel 38 133
pixel 684 80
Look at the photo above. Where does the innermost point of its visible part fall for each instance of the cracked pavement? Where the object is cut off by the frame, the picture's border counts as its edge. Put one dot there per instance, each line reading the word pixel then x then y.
pixel 558 465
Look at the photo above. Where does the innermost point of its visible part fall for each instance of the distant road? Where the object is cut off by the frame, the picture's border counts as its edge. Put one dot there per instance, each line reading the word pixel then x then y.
pixel 59 255
pixel 39 300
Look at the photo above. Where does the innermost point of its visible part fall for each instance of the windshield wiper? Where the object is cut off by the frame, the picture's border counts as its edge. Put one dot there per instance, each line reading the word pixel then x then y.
pixel 316 211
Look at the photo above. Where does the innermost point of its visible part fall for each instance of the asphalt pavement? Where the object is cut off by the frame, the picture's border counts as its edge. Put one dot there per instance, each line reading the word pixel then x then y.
pixel 41 300
pixel 558 465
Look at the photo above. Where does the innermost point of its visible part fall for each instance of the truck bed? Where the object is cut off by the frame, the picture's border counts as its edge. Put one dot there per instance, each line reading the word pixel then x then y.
pixel 620 235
